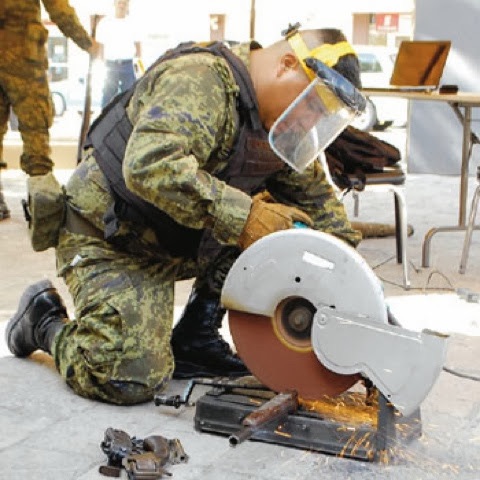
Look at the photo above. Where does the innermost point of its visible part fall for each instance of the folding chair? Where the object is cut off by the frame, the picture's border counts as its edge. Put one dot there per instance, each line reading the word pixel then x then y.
pixel 391 179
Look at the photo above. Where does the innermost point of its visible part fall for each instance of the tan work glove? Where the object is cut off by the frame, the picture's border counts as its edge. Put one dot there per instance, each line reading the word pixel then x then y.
pixel 265 196
pixel 266 218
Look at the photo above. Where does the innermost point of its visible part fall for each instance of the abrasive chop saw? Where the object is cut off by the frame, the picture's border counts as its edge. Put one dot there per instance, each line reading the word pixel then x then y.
pixel 309 319
pixel 308 314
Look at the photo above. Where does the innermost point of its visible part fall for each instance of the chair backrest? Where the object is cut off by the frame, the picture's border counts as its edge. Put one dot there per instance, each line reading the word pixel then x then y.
pixel 359 153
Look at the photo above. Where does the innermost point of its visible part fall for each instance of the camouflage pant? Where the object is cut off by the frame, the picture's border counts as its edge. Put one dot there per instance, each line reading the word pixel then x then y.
pixel 31 101
pixel 117 349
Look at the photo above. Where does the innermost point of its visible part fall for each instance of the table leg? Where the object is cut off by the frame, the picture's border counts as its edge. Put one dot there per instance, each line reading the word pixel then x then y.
pixel 468 139
pixel 466 153
pixel 470 228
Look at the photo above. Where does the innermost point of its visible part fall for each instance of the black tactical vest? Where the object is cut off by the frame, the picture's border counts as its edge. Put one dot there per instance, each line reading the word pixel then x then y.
pixel 250 163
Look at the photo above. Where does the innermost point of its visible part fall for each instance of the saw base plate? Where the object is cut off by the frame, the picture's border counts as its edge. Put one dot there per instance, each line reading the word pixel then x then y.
pixel 222 413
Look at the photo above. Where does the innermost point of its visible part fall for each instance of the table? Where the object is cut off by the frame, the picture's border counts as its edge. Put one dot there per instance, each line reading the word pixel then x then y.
pixel 462 104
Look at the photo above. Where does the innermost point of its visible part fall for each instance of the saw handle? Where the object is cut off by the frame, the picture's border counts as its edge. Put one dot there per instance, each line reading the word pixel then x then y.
pixel 275 410
pixel 300 225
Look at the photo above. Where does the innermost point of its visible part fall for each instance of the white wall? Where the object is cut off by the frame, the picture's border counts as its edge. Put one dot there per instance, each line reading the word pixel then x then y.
pixel 181 20
pixel 166 23
pixel 435 134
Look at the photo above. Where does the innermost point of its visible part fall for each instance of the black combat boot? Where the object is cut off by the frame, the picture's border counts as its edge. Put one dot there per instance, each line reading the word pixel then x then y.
pixel 40 316
pixel 198 348
pixel 4 211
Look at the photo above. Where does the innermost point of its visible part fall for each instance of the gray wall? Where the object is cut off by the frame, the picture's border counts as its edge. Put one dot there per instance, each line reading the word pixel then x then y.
pixel 435 134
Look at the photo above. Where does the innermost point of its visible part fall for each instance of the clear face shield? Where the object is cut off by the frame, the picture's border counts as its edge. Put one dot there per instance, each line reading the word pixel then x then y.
pixel 316 117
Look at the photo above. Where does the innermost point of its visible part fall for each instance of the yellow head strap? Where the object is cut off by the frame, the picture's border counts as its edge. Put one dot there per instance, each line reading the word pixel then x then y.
pixel 327 53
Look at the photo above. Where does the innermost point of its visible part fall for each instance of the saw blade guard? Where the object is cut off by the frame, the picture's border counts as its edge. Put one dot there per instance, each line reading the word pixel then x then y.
pixel 273 291
pixel 303 263
pixel 401 363
pixel 349 332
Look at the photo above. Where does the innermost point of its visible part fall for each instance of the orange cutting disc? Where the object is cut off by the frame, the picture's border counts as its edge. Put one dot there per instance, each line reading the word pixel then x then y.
pixel 279 353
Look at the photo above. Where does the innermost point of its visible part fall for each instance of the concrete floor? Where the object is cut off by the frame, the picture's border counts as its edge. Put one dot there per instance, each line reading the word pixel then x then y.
pixel 50 433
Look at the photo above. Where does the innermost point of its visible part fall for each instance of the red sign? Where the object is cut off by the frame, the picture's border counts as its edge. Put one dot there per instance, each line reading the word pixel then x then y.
pixel 386 22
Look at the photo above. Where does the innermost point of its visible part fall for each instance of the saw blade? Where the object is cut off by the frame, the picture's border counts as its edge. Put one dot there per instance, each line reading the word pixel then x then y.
pixel 278 351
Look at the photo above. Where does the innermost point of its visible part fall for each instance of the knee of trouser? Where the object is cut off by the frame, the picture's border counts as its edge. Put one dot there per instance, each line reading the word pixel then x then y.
pixel 113 391
pixel 126 393
pixel 101 383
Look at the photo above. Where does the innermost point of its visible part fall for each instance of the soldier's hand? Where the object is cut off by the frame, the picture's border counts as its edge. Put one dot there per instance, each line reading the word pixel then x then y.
pixel 266 218
pixel 95 49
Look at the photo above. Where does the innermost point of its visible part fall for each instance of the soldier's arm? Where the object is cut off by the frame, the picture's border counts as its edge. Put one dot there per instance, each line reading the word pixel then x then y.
pixel 312 193
pixel 65 17
pixel 186 115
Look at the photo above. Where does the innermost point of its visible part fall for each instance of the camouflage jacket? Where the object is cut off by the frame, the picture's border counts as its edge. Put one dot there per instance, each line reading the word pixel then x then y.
pixel 184 114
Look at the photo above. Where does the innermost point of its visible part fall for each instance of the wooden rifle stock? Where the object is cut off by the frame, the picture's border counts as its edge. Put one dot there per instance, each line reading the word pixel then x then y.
pixel 88 95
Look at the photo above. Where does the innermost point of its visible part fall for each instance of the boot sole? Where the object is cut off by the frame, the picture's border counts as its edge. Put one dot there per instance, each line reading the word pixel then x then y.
pixel 184 370
pixel 25 302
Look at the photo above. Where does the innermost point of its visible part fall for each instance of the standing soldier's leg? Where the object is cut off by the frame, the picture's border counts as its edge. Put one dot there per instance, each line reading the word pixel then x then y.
pixel 32 103
pixel 4 211
pixel 4 114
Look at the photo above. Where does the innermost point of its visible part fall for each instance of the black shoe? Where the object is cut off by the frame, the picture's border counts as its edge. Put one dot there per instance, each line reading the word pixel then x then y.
pixel 40 315
pixel 4 211
pixel 198 348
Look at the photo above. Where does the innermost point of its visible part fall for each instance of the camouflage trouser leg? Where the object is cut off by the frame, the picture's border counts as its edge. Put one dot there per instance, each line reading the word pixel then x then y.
pixel 118 347
pixel 213 269
pixel 4 114
pixel 32 103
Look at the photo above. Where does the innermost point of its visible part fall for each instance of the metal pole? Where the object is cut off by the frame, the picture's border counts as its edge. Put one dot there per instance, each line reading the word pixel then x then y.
pixel 466 152
pixel 252 19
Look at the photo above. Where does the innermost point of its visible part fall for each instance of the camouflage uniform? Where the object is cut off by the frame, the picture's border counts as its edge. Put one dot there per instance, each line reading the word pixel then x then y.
pixel 184 116
pixel 23 77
